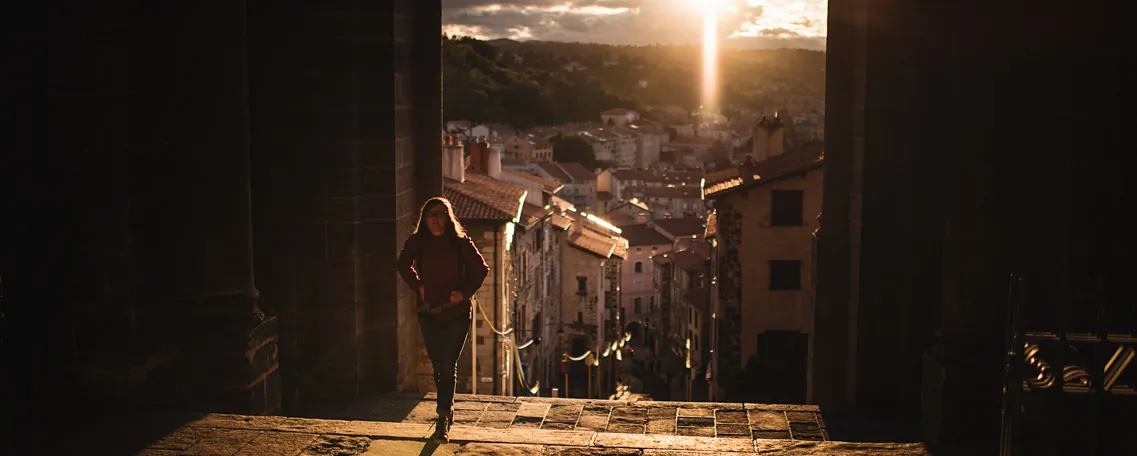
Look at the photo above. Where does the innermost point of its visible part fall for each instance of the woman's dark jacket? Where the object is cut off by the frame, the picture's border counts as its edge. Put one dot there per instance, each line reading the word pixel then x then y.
pixel 443 264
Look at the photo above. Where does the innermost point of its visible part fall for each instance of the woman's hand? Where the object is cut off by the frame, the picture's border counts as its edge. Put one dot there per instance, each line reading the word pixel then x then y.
pixel 456 297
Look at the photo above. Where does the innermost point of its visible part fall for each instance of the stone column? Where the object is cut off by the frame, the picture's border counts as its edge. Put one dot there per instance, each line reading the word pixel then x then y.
pixel 231 365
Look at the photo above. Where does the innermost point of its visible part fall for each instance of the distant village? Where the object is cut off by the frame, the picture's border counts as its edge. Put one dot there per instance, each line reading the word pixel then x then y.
pixel 667 272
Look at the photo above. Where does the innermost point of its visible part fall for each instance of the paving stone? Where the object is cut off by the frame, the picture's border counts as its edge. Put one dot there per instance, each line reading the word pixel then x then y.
pixel 382 429
pixel 695 431
pixel 784 407
pixel 593 422
pixel 467 416
pixel 526 422
pixel 525 436
pixel 223 442
pixel 182 438
pixel 707 405
pixel 696 412
pixel 802 417
pixel 625 428
pixel 763 434
pixel 661 427
pixel 696 421
pixel 732 429
pixel 731 417
pixel 768 421
pixel 155 452
pixel 820 421
pixel 311 426
pixel 500 449
pixel 228 421
pixel 337 445
pixel 533 409
pixel 277 444
pixel 797 448
pixel 385 447
pixel 671 442
pixel 585 451
pixel 503 406
pixel 470 405
pixel 596 410
pixel 805 431
pixel 564 413
pixel 482 398
pixel 656 413
pixel 424 412
pixel 558 426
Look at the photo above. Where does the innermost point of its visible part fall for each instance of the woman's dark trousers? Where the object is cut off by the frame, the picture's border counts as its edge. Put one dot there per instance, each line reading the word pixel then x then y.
pixel 445 338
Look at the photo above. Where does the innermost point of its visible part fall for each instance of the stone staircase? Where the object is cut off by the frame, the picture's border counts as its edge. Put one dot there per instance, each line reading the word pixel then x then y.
pixel 518 426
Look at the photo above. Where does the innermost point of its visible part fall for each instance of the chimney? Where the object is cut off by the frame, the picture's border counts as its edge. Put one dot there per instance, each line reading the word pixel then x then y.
pixel 746 170
pixel 453 159
pixel 768 138
pixel 479 155
pixel 493 162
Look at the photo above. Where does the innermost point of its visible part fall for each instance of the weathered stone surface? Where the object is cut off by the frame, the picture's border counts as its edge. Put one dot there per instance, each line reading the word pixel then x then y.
pixel 698 421
pixel 384 447
pixel 424 412
pixel 706 405
pixel 768 421
pixel 695 431
pixel 154 452
pixel 527 436
pixel 502 449
pixel 731 416
pixel 311 426
pixel 224 442
pixel 277 444
pixel 496 419
pixel 182 438
pixel 584 451
pixel 467 416
pixel 558 426
pixel 764 434
pixel 796 448
pixel 470 405
pixel 481 398
pixel 802 417
pixel 732 430
pixel 656 413
pixel 671 442
pixel 503 406
pixel 784 407
pixel 532 409
pixel 805 431
pixel 593 422
pixel 707 412
pixel 526 422
pixel 625 428
pixel 661 427
pixel 388 430
pixel 337 445
pixel 564 413
pixel 224 420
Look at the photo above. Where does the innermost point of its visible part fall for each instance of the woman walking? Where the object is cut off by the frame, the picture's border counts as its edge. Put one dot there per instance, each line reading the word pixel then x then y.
pixel 442 264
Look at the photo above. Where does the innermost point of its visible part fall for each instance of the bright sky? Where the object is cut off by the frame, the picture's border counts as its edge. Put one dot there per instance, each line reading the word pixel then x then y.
pixel 740 23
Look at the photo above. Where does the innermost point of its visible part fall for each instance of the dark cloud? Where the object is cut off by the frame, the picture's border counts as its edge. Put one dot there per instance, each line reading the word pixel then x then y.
pixel 780 32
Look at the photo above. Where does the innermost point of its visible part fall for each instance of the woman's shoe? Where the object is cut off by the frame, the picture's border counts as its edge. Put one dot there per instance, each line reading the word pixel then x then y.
pixel 442 428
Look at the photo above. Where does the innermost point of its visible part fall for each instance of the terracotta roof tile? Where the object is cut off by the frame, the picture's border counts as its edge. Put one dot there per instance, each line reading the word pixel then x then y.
pixel 553 170
pixel 687 192
pixel 532 213
pixel 801 159
pixel 682 227
pixel 577 172
pixel 641 234
pixel 481 197
pixel 548 185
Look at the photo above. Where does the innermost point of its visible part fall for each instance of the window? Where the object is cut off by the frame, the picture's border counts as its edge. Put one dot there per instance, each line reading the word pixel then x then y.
pixel 651 303
pixel 639 267
pixel 690 315
pixel 582 285
pixel 580 317
pixel 786 207
pixel 639 249
pixel 785 275
pixel 637 305
pixel 481 340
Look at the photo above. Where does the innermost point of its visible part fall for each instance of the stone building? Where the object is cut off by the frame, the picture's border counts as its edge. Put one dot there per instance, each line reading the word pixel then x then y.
pixel 765 219
pixel 638 275
pixel 682 286
pixel 537 300
pixel 592 253
pixel 490 209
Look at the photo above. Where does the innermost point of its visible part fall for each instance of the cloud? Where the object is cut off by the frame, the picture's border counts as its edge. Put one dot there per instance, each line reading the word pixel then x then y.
pixel 742 23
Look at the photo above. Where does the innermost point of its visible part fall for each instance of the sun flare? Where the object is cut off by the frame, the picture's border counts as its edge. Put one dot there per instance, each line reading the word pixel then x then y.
pixel 710 54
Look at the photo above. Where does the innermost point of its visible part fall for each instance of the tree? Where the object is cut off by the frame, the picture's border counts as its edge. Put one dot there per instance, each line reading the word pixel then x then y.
pixel 574 149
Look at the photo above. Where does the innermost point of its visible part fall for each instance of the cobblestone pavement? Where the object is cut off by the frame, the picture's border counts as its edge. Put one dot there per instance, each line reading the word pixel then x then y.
pixel 698 419
pixel 487 425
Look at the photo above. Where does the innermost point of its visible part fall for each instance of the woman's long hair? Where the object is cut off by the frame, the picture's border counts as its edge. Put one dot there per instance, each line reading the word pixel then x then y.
pixel 453 226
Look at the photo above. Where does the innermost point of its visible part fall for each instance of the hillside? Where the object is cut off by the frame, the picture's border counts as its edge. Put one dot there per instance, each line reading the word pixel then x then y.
pixel 545 83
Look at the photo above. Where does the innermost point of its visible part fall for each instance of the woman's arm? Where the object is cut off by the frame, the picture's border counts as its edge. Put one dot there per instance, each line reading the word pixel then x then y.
pixel 406 263
pixel 476 269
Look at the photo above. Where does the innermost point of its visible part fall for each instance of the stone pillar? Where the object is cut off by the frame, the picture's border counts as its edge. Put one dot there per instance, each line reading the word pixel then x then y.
pixel 232 347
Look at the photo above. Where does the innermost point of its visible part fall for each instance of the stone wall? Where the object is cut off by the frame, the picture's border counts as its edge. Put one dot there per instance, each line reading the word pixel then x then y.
pixel 729 237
